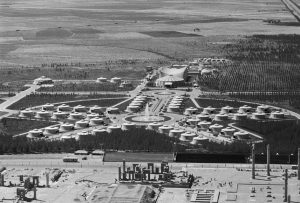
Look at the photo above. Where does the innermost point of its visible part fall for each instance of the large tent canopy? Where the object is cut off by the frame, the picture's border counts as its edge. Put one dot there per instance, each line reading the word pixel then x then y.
pixel 170 78
pixel 178 72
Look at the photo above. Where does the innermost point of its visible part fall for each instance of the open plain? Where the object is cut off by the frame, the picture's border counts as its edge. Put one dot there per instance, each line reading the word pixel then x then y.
pixel 39 31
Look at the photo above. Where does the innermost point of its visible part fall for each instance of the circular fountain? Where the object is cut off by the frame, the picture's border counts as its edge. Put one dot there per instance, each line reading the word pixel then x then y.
pixel 166 92
pixel 147 118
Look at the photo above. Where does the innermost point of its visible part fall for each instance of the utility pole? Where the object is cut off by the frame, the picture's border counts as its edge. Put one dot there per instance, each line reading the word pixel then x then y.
pixel 253 160
pixel 268 160
pixel 298 163
pixel 286 186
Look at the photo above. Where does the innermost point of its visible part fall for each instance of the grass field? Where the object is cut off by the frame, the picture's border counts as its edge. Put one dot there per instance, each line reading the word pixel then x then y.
pixel 14 126
pixel 122 107
pixel 40 99
pixel 219 103
pixel 104 102
pixel 189 103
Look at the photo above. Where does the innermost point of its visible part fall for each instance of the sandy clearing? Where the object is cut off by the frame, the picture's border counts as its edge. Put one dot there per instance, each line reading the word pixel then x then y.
pixel 98 184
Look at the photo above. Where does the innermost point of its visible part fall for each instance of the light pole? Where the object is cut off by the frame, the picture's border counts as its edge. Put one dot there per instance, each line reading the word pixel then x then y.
pixel 290 158
pixel 268 160
pixel 253 160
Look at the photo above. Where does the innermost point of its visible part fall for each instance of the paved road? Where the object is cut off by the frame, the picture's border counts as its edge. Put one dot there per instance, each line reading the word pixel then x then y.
pixel 84 93
pixel 97 163
pixel 17 97
pixel 241 129
pixel 196 103
pixel 293 8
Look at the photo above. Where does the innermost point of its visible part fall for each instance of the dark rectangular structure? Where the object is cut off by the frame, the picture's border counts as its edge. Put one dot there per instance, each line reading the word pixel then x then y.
pixel 210 158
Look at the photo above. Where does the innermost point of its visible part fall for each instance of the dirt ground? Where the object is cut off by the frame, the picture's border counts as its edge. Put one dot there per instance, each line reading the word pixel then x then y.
pixel 88 180
pixel 218 179
pixel 94 181
pixel 40 31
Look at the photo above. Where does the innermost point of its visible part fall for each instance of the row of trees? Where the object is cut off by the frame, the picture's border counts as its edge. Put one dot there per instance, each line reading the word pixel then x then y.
pixel 235 147
pixel 254 76
pixel 86 87
pixel 286 99
pixel 132 140
pixel 265 48
pixel 136 140
pixel 265 68
pixel 262 63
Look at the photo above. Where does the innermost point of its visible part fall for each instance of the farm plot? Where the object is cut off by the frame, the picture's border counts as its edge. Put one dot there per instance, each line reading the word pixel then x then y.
pixel 261 64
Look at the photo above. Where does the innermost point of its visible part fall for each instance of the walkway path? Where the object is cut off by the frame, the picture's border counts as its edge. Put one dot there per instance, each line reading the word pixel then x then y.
pixel 196 103
pixel 17 97
pixel 84 92
pixel 293 8
pixel 250 132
